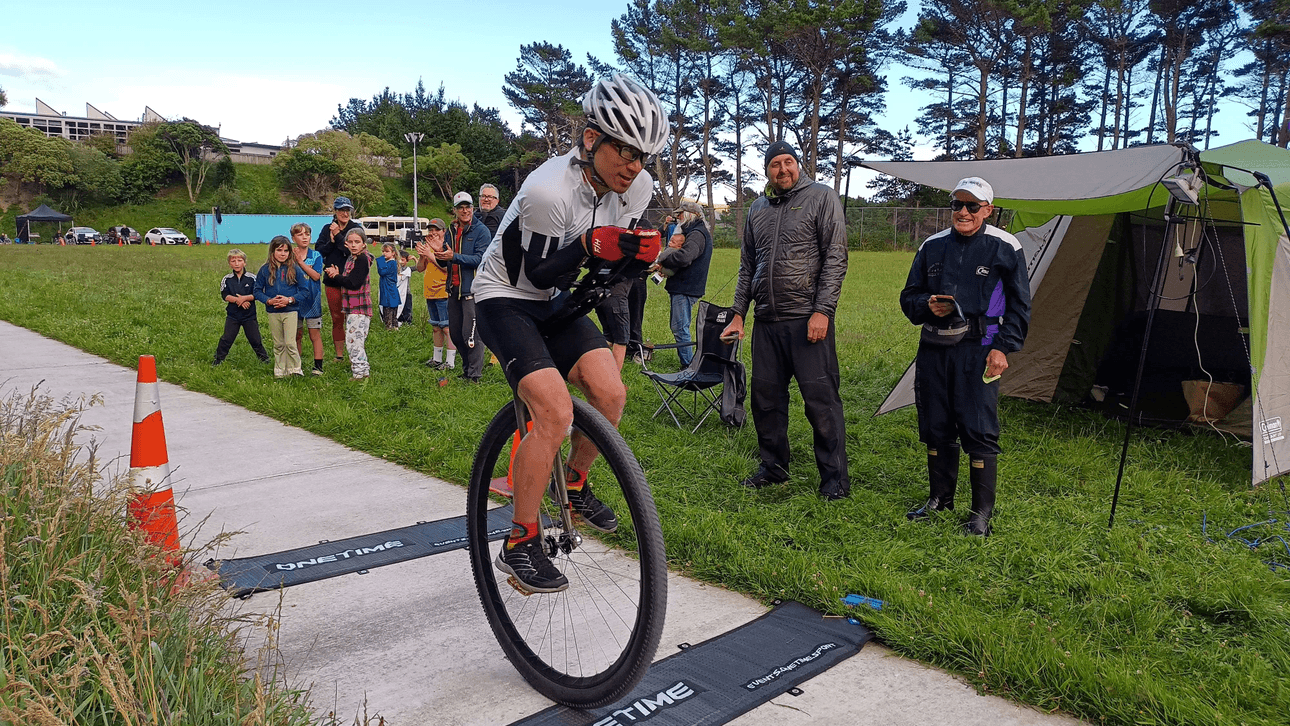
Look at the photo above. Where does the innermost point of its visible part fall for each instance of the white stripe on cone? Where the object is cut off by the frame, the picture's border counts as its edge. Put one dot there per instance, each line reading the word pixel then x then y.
pixel 150 477
pixel 147 400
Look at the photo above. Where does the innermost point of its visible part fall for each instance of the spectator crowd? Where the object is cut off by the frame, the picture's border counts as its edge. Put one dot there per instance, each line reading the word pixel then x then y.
pixel 967 289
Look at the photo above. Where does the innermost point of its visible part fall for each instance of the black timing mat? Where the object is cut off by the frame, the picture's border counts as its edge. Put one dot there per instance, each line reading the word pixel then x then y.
pixel 247 575
pixel 729 675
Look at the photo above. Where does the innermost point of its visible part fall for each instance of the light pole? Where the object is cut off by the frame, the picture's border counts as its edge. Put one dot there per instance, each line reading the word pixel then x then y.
pixel 413 137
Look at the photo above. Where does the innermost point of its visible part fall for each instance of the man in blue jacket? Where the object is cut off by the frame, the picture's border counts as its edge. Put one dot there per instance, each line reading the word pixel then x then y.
pixel 970 290
pixel 465 244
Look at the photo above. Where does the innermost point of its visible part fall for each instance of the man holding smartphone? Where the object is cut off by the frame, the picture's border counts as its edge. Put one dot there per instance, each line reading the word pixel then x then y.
pixel 970 290
pixel 791 264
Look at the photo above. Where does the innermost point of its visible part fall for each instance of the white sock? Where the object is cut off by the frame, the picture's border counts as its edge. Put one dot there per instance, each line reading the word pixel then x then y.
pixel 452 357
pixel 438 354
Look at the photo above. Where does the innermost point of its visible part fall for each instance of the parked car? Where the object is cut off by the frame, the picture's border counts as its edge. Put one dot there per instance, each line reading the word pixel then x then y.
pixel 123 233
pixel 82 236
pixel 165 236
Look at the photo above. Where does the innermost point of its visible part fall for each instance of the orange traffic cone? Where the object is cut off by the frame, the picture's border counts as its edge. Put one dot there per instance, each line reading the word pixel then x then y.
pixel 119 243
pixel 506 485
pixel 61 243
pixel 190 243
pixel 152 506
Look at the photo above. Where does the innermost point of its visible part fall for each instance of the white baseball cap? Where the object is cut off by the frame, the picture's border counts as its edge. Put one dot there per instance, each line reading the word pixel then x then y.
pixel 977 187
pixel 463 198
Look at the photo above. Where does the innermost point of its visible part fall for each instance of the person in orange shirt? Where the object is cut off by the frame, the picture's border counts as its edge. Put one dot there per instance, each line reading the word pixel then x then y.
pixel 436 293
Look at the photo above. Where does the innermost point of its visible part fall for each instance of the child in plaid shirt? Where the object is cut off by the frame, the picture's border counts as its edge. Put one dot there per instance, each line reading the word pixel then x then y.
pixel 356 300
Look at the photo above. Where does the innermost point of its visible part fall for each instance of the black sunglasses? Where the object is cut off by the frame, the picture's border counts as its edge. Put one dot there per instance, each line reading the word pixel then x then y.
pixel 972 207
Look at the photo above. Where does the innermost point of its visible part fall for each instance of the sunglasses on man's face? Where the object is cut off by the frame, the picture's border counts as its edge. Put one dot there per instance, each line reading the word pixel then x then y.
pixel 972 207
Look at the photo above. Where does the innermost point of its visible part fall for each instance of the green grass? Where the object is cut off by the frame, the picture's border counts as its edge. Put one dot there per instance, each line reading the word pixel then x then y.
pixel 1148 623
pixel 96 628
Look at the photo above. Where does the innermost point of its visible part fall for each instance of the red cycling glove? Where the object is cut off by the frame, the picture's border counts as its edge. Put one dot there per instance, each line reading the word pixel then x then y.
pixel 615 243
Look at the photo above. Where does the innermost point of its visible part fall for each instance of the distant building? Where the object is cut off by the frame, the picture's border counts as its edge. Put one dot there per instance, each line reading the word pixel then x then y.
pixel 75 128
pixel 95 122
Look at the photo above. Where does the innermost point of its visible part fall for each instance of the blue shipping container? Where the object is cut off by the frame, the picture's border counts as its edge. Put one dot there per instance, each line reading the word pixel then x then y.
pixel 254 229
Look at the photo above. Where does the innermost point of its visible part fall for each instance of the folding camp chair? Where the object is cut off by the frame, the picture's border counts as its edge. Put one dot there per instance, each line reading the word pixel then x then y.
pixel 713 360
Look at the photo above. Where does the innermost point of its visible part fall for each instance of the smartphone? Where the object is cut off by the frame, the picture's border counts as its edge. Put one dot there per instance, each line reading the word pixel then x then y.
pixel 942 298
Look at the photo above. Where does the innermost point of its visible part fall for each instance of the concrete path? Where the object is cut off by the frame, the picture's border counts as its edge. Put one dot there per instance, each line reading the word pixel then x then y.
pixel 410 640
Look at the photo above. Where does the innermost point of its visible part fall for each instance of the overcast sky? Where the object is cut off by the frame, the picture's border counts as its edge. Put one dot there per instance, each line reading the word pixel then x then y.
pixel 266 71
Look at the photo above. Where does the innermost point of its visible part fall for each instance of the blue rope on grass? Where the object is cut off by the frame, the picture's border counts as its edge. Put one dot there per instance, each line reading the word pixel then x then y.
pixel 1252 543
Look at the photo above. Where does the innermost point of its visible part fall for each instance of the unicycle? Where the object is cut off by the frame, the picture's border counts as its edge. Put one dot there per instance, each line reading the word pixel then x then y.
pixel 590 644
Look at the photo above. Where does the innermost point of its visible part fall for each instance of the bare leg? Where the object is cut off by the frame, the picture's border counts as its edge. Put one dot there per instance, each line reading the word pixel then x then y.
pixel 620 354
pixel 547 398
pixel 597 375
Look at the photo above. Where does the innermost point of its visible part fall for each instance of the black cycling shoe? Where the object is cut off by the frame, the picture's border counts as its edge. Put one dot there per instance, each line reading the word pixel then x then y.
pixel 528 564
pixel 594 512
pixel 762 478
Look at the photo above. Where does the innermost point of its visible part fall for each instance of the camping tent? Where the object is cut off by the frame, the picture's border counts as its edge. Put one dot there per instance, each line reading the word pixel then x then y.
pixel 1101 256
pixel 39 214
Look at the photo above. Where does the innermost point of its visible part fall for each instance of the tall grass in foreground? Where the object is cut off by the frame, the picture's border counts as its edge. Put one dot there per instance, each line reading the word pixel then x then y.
pixel 1156 621
pixel 96 630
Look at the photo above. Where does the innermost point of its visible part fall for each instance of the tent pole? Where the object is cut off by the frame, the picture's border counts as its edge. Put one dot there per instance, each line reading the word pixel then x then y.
pixel 1267 182
pixel 1152 305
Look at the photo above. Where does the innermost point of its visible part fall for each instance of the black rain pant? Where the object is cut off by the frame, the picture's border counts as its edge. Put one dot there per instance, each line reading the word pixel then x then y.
pixel 954 404
pixel 780 352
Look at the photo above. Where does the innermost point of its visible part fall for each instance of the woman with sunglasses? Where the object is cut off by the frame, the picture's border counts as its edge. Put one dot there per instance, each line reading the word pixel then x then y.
pixel 970 290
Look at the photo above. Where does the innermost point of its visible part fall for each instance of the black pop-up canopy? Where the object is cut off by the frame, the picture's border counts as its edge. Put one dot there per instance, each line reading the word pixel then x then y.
pixel 40 214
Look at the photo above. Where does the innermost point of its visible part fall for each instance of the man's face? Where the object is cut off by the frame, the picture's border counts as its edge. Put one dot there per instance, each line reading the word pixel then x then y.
pixel 343 215
pixel 783 172
pixel 300 237
pixel 488 200
pixel 967 222
pixel 237 264
pixel 615 170
pixel 464 212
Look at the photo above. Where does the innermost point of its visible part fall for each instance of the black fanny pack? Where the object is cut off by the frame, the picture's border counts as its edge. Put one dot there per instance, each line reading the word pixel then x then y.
pixel 957 330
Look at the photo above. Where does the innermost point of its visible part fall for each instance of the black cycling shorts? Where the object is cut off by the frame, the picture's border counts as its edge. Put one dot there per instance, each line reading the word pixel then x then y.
pixel 509 327
pixel 615 314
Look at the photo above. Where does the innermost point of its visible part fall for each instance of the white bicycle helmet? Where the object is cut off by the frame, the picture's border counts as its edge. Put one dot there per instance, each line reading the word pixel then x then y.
pixel 628 112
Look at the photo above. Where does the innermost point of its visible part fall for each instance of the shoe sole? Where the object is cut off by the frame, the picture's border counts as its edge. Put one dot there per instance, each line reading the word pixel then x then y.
pixel 523 587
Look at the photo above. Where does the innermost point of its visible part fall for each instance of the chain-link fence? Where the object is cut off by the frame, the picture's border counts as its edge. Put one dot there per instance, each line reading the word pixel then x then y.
pixel 877 229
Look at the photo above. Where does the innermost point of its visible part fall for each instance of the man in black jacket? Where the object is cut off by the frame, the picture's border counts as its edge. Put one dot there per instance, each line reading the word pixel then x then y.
pixel 969 289
pixel 331 245
pixel 792 263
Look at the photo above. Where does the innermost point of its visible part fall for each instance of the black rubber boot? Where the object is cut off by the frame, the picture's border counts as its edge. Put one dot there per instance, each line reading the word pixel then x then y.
pixel 983 472
pixel 942 477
